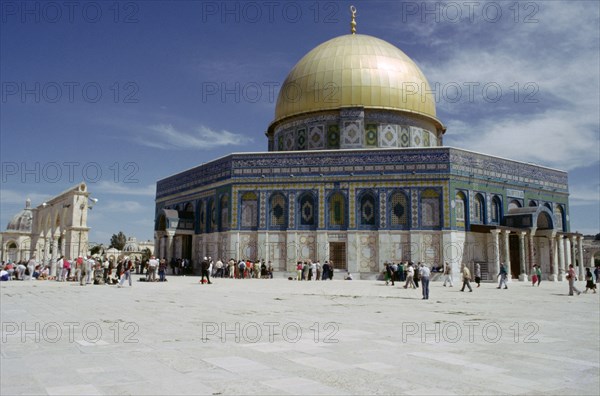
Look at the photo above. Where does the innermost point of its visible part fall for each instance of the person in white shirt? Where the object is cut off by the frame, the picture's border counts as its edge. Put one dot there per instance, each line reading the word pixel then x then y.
pixel 152 266
pixel 31 264
pixel 410 274
pixel 425 273
pixel 219 266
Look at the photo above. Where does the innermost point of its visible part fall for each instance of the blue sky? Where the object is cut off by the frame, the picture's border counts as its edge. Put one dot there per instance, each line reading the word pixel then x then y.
pixel 122 94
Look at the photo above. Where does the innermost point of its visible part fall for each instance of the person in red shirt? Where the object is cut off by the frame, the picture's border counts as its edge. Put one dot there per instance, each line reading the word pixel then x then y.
pixel 572 277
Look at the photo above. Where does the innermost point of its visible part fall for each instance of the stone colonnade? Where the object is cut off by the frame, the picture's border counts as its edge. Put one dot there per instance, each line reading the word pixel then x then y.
pixel 564 249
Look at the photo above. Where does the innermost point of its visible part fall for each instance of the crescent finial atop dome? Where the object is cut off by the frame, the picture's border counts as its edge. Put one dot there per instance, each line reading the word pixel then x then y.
pixel 353 22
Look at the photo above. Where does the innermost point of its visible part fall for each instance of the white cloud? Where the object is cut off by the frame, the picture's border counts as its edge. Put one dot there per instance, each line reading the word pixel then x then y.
pixel 105 187
pixel 12 197
pixel 558 54
pixel 165 136
pixel 584 194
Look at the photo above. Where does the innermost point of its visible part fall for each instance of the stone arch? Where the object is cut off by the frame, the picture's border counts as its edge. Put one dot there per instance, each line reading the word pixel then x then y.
pixel 514 204
pixel 161 222
pixel 544 221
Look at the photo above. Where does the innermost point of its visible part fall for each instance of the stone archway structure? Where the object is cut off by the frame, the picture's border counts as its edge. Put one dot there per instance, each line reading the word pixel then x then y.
pixel 60 226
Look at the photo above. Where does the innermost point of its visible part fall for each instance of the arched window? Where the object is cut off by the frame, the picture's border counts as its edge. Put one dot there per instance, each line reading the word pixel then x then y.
pixel 559 216
pixel 514 204
pixel 12 250
pixel 532 203
pixel 460 212
pixel 201 217
pixel 430 208
pixel 307 209
pixel 277 211
pixel 249 211
pixel 367 210
pixel 224 219
pixel 496 209
pixel 478 209
pixel 211 215
pixel 398 205
pixel 337 210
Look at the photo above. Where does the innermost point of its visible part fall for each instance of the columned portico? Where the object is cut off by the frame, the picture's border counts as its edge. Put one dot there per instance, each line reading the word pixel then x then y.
pixel 531 257
pixel 573 247
pixel 581 263
pixel 522 255
pixel 553 259
pixel 54 256
pixel 561 256
pixel 496 247
pixel 169 246
pixel 567 251
pixel 506 233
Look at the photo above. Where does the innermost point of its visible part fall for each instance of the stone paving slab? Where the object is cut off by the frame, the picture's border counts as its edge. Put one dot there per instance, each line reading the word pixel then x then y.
pixel 286 337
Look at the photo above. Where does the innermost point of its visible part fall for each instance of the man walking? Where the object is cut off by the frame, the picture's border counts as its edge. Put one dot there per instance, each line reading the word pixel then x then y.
pixel 425 273
pixel 503 277
pixel 410 273
pixel 448 274
pixel 466 276
pixel 204 266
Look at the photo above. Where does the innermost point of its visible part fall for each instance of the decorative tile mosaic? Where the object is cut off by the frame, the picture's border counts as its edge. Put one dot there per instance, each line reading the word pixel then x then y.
pixel 352 134
pixel 371 135
pixel 316 137
pixel 388 136
pixel 301 139
pixel 333 136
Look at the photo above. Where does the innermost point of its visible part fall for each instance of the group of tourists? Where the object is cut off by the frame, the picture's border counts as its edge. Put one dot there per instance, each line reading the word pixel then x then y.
pixel 313 270
pixel 235 269
pixel 412 274
pixel 101 270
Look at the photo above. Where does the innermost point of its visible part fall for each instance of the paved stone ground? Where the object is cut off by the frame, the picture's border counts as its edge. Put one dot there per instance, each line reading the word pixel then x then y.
pixel 338 337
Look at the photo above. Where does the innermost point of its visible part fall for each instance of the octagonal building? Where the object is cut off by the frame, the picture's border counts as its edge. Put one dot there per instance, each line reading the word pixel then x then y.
pixel 356 173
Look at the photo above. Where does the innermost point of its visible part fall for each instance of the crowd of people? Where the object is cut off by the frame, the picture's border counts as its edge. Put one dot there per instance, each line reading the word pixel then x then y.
pixel 102 270
pixel 235 269
pixel 412 274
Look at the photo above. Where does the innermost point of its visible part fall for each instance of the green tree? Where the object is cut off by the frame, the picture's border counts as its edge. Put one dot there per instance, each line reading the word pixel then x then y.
pixel 118 241
pixel 146 253
pixel 98 249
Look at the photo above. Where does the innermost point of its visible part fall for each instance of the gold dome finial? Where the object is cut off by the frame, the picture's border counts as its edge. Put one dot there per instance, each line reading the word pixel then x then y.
pixel 353 22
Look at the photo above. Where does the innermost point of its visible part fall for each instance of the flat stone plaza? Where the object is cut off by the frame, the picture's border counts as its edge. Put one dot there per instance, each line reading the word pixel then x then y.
pixel 271 337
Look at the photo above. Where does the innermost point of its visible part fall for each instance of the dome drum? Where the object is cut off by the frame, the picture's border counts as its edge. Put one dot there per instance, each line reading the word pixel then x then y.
pixel 354 128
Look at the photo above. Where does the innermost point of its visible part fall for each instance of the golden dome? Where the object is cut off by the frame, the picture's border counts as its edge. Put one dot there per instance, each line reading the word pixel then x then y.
pixel 355 70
